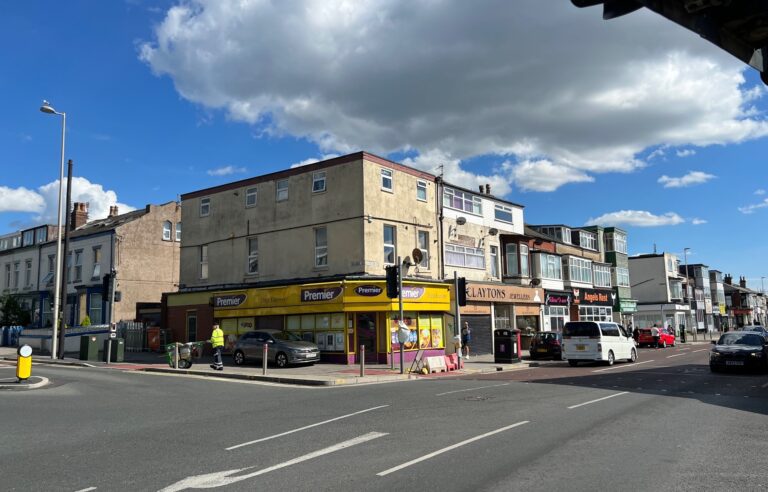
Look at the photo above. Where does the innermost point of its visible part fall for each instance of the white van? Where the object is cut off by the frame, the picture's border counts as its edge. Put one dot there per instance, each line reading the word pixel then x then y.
pixel 590 341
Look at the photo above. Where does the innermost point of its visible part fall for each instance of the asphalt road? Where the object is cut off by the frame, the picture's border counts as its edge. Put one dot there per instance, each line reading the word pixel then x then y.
pixel 664 423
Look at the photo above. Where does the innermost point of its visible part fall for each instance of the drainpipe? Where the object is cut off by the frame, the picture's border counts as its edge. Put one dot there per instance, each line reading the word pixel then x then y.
pixel 439 204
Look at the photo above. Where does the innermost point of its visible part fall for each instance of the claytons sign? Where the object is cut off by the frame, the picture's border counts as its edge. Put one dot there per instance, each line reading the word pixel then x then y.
pixel 503 293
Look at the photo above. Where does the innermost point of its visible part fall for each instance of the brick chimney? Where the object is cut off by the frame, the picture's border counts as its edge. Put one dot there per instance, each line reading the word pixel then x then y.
pixel 487 189
pixel 79 215
pixel 112 210
pixel 482 189
pixel 743 282
pixel 728 279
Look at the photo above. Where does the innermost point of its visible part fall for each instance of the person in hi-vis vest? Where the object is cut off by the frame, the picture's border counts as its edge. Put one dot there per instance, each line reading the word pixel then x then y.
pixel 217 341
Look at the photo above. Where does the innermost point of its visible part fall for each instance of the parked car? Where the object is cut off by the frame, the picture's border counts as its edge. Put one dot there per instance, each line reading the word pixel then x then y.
pixel 547 344
pixel 757 328
pixel 739 350
pixel 589 341
pixel 284 348
pixel 666 337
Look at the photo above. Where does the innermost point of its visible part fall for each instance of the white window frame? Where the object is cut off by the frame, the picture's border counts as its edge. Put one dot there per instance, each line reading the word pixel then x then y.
pixel 504 210
pixel 579 270
pixel 28 238
pixel 281 190
pixel 318 182
pixel 421 187
pixel 588 240
pixel 622 277
pixel 510 252
pixel 7 275
pixel 93 311
pixel 16 274
pixel 178 231
pixel 525 270
pixel 387 180
pixel 601 275
pixel 167 226
pixel 475 203
pixel 390 248
pixel 41 235
pixel 28 273
pixel 464 256
pixel 494 254
pixel 252 267
pixel 423 245
pixel 203 272
pixel 205 206
pixel 251 197
pixel 321 247
pixel 96 262
pixel 550 266
pixel 79 265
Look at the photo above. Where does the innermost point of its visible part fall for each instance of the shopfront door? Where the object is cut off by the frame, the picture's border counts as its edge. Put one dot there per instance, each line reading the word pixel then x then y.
pixel 366 335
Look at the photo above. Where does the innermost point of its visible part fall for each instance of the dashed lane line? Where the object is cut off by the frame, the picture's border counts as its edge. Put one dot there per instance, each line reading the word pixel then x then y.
pixel 472 389
pixel 449 448
pixel 676 355
pixel 625 366
pixel 599 399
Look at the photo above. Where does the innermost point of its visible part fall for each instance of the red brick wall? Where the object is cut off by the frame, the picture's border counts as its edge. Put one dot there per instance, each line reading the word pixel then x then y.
pixel 176 321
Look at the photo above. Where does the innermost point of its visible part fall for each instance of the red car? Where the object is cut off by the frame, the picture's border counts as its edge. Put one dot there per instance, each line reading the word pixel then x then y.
pixel 666 338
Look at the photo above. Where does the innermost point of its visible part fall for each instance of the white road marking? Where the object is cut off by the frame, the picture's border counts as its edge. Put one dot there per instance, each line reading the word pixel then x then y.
pixel 624 366
pixel 86 490
pixel 449 448
pixel 764 386
pixel 304 428
pixel 223 478
pixel 676 355
pixel 473 389
pixel 599 399
pixel 702 350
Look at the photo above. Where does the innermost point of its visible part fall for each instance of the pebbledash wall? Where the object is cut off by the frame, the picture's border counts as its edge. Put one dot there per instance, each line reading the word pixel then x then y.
pixel 339 316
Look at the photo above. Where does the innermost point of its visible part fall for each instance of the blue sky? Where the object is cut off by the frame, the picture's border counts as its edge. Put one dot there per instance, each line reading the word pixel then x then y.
pixel 579 119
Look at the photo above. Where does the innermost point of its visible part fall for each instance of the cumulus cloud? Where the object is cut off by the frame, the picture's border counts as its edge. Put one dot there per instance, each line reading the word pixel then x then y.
pixel 697 221
pixel 690 179
pixel 423 77
pixel 544 175
pixel 226 171
pixel 312 160
pixel 43 202
pixel 637 218
pixel 685 153
pixel 751 208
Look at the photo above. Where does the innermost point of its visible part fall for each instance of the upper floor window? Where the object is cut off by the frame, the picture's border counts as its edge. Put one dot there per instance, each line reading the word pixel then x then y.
pixel 460 200
pixel 204 262
pixel 205 207
pixel 41 235
pixel 494 261
pixel 622 277
pixel 389 244
pixel 579 270
pixel 96 262
pixel 676 289
pixel 424 248
pixel 503 213
pixel 524 260
pixel 29 238
pixel 588 240
pixel 51 262
pixel 464 256
pixel 321 247
pixel 318 182
pixel 253 256
pixel 562 234
pixel 282 190
pixel 421 190
pixel 7 275
pixel 250 197
pixel 386 180
pixel 615 241
pixel 671 264
pixel 550 266
pixel 28 273
pixel 513 268
pixel 167 225
pixel 178 231
pixel 78 265
pixel 602 275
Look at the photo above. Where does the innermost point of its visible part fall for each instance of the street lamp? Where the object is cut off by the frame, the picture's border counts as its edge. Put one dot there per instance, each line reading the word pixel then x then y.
pixel 687 284
pixel 46 108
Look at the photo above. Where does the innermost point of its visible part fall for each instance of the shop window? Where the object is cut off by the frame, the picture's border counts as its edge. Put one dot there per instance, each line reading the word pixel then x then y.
pixel 326 330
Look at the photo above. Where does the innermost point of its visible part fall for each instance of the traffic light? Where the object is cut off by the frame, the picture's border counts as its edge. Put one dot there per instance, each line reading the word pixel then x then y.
pixel 106 283
pixel 392 281
pixel 461 291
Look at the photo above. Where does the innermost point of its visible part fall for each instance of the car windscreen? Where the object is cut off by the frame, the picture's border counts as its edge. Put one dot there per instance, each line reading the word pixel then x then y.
pixel 741 339
pixel 285 336
pixel 581 329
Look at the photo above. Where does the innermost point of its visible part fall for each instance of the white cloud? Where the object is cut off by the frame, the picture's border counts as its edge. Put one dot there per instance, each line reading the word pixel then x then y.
pixel 760 192
pixel 397 75
pixel 544 175
pixel 656 153
pixel 312 160
pixel 751 208
pixel 637 218
pixel 438 162
pixel 690 179
pixel 226 171
pixel 20 200
pixel 685 153
pixel 697 221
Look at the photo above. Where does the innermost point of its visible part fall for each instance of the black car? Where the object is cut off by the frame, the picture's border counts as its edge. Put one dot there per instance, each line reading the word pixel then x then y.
pixel 739 350
pixel 547 344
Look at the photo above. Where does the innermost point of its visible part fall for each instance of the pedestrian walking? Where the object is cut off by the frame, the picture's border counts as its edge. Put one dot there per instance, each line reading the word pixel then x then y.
pixel 217 342
pixel 655 335
pixel 466 338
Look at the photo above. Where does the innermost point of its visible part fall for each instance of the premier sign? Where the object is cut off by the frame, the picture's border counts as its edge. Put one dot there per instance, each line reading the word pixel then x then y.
pixel 368 290
pixel 320 294
pixel 228 301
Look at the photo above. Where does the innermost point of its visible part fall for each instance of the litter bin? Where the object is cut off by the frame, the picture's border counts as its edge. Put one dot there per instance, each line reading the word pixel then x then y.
pixel 505 346
pixel 3 336
pixel 89 348
pixel 153 339
pixel 118 350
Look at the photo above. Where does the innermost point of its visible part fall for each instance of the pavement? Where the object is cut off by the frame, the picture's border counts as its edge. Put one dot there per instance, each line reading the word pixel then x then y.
pixel 308 375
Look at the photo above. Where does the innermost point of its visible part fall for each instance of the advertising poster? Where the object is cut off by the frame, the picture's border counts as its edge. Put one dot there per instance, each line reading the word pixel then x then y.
pixel 410 321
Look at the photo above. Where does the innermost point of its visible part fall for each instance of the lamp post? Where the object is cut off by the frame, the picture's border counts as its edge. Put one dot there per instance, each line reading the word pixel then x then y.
pixel 687 284
pixel 46 108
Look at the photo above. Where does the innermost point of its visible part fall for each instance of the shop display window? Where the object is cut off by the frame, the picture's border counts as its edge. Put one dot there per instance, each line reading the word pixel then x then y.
pixel 326 330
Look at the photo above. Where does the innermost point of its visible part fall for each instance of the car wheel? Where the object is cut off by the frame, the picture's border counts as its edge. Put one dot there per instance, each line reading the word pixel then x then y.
pixel 239 358
pixel 611 358
pixel 281 360
pixel 663 344
pixel 573 363
pixel 633 355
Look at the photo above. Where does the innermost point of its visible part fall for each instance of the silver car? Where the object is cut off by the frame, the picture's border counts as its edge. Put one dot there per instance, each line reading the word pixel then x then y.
pixel 283 348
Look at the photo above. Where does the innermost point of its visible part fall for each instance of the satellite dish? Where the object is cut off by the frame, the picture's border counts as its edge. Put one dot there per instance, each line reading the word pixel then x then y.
pixel 417 255
pixel 493 231
pixel 461 220
pixel 535 282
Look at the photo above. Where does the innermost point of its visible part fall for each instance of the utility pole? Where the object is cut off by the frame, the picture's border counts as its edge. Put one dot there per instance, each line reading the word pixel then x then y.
pixel 400 300
pixel 113 280
pixel 457 327
pixel 63 305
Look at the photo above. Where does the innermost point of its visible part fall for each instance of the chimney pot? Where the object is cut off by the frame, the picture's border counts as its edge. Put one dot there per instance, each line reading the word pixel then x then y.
pixel 482 189
pixel 488 189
